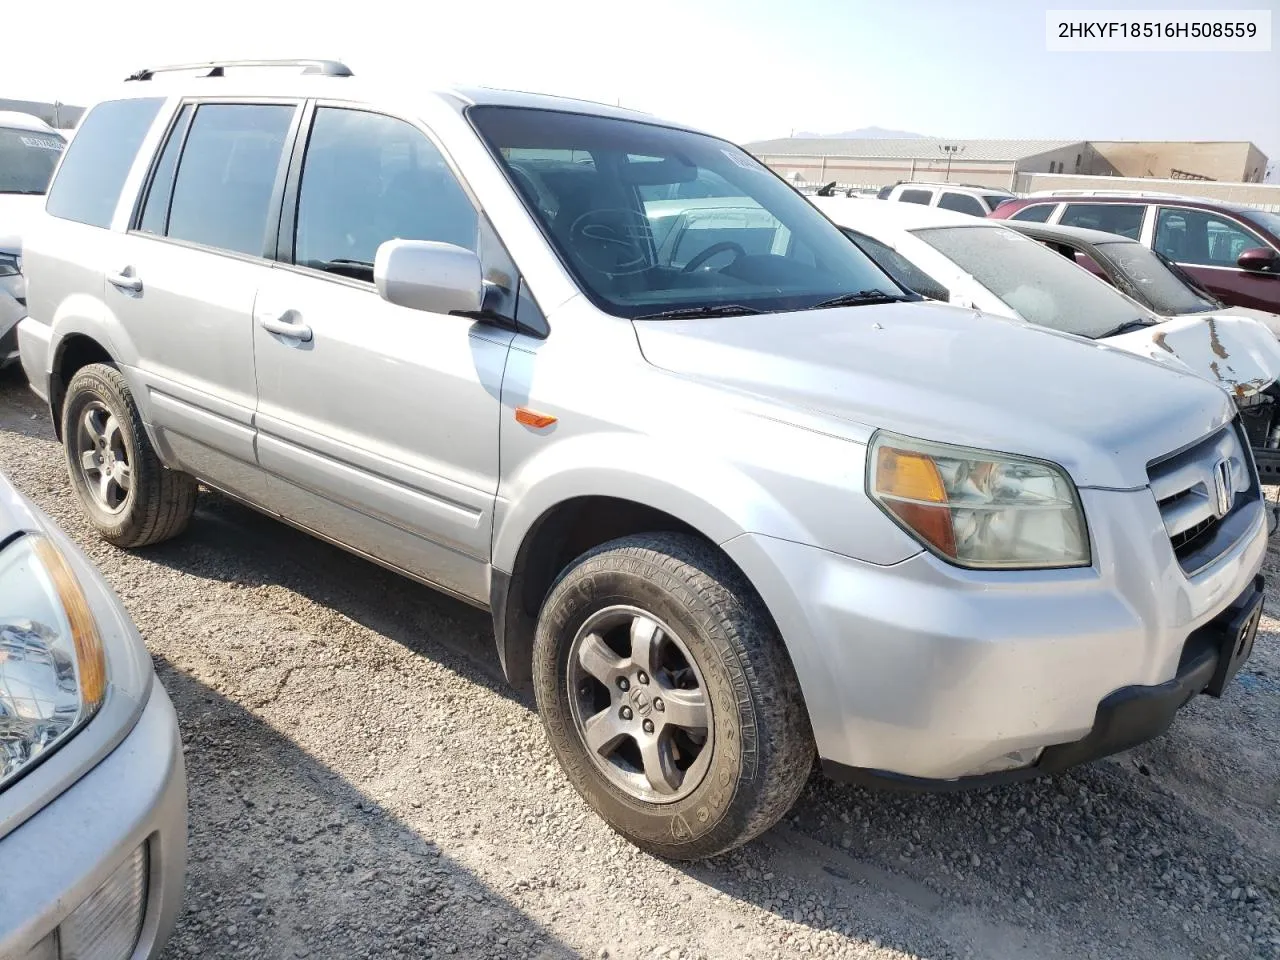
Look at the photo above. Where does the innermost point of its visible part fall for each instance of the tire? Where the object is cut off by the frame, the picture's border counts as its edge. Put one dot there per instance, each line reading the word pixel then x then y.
pixel 157 502
pixel 757 734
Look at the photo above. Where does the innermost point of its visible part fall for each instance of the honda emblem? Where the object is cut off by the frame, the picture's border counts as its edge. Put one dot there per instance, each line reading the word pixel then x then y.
pixel 1223 488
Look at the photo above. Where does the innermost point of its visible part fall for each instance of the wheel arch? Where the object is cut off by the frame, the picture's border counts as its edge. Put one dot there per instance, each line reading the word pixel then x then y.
pixel 73 352
pixel 565 515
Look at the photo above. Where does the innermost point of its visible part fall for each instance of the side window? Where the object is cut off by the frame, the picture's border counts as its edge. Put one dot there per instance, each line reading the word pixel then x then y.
pixel 222 193
pixel 98 159
pixel 1200 237
pixel 369 178
pixel 155 211
pixel 1036 213
pixel 916 196
pixel 899 267
pixel 1122 218
pixel 962 203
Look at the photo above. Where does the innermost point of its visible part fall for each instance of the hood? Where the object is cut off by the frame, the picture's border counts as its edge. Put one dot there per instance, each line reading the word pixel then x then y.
pixel 937 372
pixel 1238 353
pixel 1269 320
pixel 16 211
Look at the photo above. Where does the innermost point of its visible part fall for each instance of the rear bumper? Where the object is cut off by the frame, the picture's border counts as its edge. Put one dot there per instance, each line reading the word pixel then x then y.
pixel 1124 718
pixel 34 344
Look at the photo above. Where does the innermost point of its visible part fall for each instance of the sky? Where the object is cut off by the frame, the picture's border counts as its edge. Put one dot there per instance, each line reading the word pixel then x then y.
pixel 744 69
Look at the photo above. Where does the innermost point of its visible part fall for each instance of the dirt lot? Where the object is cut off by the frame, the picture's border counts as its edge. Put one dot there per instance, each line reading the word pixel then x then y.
pixel 363 785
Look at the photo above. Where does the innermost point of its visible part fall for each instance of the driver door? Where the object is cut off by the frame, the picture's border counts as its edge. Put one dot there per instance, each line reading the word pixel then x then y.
pixel 378 423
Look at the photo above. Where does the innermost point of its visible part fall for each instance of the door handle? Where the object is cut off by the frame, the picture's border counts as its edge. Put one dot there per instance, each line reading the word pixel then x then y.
pixel 285 327
pixel 125 280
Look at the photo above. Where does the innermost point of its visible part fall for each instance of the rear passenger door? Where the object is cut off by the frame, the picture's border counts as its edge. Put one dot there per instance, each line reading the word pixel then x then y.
pixel 187 274
pixel 378 423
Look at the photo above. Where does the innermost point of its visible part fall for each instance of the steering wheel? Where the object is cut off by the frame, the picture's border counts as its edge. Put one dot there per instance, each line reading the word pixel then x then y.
pixel 699 259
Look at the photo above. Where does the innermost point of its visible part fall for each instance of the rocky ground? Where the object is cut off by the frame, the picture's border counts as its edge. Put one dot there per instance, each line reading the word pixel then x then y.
pixel 363 785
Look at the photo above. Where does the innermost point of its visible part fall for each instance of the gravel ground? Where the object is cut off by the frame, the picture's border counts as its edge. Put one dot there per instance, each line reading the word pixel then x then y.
pixel 362 784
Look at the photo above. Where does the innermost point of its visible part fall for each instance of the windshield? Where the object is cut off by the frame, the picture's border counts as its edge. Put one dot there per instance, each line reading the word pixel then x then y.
pixel 27 159
pixel 1153 281
pixel 651 219
pixel 1042 286
pixel 1265 219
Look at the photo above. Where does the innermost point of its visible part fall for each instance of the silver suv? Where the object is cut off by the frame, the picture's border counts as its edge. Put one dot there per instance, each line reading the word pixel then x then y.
pixel 728 491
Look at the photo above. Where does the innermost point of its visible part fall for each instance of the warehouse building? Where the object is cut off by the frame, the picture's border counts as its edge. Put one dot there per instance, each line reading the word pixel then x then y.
pixel 997 163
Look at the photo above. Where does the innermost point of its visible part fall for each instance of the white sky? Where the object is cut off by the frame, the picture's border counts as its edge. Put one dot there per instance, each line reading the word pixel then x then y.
pixel 745 69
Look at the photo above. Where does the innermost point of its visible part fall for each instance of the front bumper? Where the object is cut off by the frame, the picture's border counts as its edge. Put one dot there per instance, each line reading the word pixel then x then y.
pixel 926 671
pixel 135 797
pixel 1127 717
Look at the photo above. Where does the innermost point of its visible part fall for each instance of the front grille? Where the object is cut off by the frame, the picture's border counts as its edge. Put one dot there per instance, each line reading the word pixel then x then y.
pixel 1185 486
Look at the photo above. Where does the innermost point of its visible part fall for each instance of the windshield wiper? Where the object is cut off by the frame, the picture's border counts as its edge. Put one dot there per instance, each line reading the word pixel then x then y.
pixel 1126 327
pixel 690 313
pixel 359 269
pixel 859 299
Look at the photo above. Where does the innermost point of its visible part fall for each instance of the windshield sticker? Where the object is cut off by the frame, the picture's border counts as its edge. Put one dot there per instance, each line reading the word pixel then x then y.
pixel 44 143
pixel 742 160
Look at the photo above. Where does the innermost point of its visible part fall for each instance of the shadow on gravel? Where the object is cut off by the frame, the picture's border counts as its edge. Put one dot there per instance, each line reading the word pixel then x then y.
pixel 21 411
pixel 235 544
pixel 288 860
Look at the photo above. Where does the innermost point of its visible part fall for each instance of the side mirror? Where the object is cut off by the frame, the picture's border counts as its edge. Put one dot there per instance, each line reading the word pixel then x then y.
pixel 1259 260
pixel 428 275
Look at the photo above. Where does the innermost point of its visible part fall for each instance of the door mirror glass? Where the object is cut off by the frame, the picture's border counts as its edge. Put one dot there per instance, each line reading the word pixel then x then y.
pixel 428 275
pixel 1259 260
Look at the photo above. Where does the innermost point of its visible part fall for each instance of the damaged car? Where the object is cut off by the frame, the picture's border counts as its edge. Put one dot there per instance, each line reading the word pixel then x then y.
pixel 1146 275
pixel 994 269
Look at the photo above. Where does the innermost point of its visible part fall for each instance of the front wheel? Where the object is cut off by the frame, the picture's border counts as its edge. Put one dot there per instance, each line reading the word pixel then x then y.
pixel 668 696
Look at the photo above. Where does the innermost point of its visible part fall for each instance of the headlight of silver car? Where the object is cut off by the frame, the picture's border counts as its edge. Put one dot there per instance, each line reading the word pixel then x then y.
pixel 10 265
pixel 53 674
pixel 976 508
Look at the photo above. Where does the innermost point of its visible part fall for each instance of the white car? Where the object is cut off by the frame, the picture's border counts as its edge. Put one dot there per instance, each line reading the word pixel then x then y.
pixel 989 267
pixel 960 197
pixel 29 150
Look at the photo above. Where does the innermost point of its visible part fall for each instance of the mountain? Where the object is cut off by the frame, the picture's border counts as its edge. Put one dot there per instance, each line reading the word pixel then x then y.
pixel 867 133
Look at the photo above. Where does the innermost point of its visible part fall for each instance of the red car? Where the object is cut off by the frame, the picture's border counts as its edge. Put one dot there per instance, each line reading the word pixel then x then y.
pixel 1232 251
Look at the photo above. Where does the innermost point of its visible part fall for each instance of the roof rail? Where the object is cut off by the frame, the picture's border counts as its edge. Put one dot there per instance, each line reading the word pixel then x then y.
pixel 328 68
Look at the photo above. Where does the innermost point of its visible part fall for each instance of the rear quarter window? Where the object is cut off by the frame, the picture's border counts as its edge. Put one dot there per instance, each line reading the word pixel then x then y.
pixel 962 203
pixel 916 196
pixel 87 185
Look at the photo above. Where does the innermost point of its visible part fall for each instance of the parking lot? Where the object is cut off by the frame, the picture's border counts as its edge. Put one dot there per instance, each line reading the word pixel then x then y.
pixel 363 784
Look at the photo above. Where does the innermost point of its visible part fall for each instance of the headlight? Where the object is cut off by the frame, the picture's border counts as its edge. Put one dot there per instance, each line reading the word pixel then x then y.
pixel 976 508
pixel 53 672
pixel 10 266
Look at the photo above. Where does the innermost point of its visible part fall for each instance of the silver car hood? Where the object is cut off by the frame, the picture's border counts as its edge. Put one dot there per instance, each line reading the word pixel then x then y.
pixel 941 373
pixel 1238 353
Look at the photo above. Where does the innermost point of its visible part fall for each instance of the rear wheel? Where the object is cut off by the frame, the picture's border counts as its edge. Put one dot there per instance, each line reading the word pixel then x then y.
pixel 668 696
pixel 130 497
